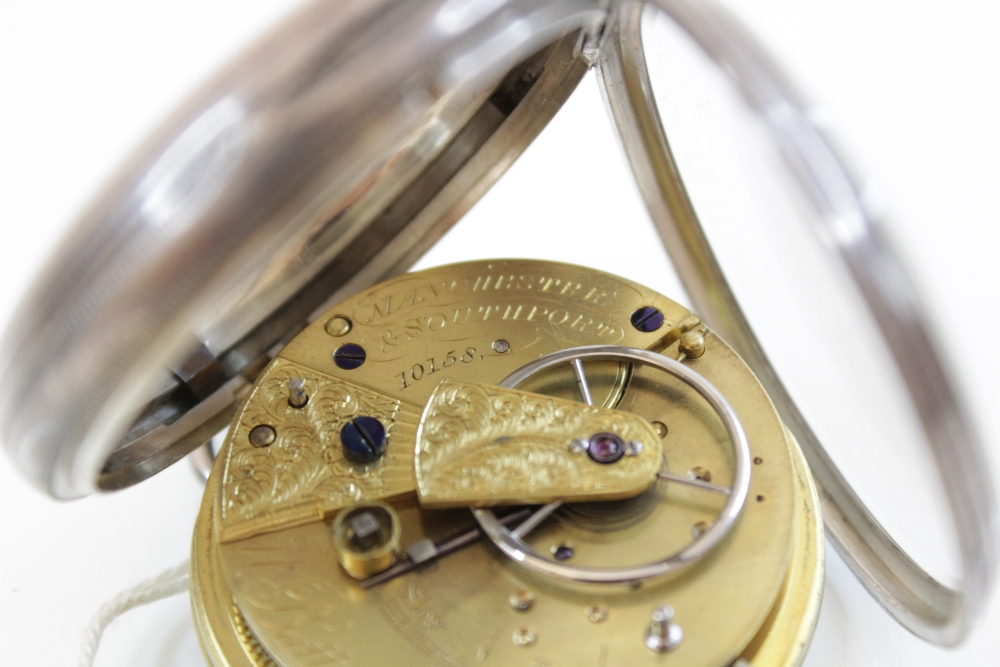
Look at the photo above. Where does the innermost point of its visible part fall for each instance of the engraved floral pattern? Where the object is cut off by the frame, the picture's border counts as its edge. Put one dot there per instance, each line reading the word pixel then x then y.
pixel 304 468
pixel 485 445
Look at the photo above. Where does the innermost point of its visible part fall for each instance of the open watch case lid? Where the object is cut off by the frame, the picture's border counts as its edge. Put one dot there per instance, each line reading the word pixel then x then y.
pixel 339 148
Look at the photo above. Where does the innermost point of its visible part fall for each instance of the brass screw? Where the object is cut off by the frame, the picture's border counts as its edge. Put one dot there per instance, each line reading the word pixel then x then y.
pixel 338 326
pixel 661 429
pixel 262 435
pixel 693 344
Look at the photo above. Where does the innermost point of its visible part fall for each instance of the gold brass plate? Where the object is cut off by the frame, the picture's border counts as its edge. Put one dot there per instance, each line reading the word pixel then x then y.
pixel 267 584
pixel 481 446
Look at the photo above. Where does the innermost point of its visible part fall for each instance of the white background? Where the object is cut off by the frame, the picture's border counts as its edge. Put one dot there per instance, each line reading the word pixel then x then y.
pixel 911 85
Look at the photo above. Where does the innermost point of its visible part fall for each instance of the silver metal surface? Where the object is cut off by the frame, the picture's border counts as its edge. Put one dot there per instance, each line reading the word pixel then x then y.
pixel 581 381
pixel 923 605
pixel 325 159
pixel 696 483
pixel 510 542
pixel 535 519
pixel 202 459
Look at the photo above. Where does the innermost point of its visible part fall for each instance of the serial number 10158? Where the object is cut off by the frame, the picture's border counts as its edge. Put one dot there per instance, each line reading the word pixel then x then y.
pixel 420 371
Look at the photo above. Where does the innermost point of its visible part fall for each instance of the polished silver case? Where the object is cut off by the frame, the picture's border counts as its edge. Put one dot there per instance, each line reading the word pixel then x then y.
pixel 325 159
pixel 340 147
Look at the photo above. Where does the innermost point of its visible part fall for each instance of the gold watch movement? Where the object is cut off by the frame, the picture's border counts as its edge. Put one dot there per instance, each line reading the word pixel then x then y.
pixel 505 463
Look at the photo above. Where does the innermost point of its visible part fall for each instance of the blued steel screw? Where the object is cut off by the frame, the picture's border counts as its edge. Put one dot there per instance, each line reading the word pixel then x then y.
pixel 349 356
pixel 363 439
pixel 647 319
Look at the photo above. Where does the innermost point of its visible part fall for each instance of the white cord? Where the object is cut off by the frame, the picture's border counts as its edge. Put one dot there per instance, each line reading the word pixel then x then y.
pixel 166 584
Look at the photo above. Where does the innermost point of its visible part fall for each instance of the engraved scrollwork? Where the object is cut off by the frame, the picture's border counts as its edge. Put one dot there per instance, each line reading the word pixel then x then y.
pixel 304 468
pixel 485 445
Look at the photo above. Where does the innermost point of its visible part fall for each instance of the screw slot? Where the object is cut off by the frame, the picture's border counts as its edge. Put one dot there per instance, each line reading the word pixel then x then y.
pixel 363 439
pixel 349 356
pixel 647 319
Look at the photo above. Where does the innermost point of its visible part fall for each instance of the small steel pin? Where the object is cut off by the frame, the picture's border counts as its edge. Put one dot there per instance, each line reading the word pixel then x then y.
pixel 297 396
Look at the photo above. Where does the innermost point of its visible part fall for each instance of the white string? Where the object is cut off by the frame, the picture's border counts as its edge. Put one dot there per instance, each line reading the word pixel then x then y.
pixel 166 584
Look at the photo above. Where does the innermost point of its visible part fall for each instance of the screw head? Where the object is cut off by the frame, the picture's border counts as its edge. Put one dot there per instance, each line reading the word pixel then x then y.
pixel 605 447
pixel 693 344
pixel 500 346
pixel 521 600
pixel 338 326
pixel 262 435
pixel 349 356
pixel 363 439
pixel 597 614
pixel 647 319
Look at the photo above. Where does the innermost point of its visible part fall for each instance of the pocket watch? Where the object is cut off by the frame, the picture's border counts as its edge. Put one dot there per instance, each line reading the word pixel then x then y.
pixel 633 491
pixel 507 461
